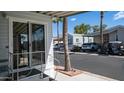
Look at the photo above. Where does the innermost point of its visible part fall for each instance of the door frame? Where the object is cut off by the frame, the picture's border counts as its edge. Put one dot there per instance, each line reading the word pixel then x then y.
pixel 23 20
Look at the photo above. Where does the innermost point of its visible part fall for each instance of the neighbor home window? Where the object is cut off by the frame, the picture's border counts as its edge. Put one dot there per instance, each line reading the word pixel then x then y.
pixel 77 40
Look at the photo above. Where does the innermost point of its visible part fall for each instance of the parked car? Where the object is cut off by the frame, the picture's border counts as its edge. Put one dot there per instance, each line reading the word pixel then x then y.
pixel 59 47
pixel 89 47
pixel 103 49
pixel 70 47
pixel 116 47
pixel 76 49
pixel 113 47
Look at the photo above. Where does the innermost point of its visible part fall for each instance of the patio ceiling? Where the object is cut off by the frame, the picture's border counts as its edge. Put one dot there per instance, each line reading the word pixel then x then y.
pixel 59 13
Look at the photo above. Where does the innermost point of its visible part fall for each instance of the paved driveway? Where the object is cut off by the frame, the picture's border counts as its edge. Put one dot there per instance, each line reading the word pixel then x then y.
pixel 108 66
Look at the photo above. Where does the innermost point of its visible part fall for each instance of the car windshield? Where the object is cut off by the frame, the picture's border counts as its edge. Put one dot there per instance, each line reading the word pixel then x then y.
pixel 89 44
pixel 115 45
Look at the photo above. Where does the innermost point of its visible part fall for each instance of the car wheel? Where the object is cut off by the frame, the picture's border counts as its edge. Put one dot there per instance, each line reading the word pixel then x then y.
pixel 120 54
pixel 93 49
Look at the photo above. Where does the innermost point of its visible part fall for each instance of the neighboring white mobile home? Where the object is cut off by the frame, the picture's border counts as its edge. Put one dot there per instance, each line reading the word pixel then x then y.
pixel 79 39
pixel 26 42
pixel 115 33
pixel 75 39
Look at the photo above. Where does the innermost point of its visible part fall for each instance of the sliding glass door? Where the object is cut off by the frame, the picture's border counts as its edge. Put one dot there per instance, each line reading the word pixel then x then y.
pixel 28 44
pixel 20 44
pixel 38 44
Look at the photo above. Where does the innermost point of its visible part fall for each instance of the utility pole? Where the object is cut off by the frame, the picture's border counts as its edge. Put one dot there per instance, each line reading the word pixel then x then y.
pixel 101 26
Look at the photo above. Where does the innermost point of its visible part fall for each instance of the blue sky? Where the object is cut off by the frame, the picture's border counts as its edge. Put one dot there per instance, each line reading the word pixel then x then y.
pixel 111 18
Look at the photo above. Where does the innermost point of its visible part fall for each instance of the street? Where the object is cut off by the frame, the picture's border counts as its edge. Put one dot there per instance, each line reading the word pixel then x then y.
pixel 108 66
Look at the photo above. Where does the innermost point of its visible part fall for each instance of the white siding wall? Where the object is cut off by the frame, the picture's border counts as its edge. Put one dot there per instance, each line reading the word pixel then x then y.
pixel 88 39
pixel 112 36
pixel 78 42
pixel 120 33
pixel 81 39
pixel 97 39
pixel 3 38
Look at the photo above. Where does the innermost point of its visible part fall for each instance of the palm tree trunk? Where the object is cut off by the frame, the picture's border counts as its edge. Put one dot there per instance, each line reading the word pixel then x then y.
pixel 65 41
pixel 101 26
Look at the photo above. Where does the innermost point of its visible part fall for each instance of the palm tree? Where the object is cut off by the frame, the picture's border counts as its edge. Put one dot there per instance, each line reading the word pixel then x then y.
pixel 65 41
pixel 86 28
pixel 96 28
pixel 82 29
pixel 104 26
pixel 57 20
pixel 77 29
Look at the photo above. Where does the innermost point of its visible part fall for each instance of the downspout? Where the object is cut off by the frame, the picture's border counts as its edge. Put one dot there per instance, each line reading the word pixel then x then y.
pixel 116 35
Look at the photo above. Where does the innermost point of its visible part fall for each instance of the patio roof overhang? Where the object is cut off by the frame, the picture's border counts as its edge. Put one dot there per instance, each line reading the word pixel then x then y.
pixel 60 13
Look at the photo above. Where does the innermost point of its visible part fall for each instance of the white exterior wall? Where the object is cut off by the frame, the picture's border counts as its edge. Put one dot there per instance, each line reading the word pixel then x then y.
pixel 88 39
pixel 80 39
pixel 97 39
pixel 120 33
pixel 3 38
pixel 112 36
pixel 31 17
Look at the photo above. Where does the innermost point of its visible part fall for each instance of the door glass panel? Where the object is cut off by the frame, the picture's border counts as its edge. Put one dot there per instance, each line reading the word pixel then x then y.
pixel 38 44
pixel 20 44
